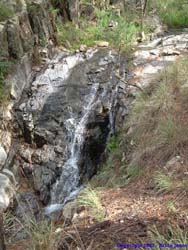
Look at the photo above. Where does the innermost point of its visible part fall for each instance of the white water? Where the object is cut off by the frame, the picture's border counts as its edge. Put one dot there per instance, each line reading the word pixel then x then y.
pixel 67 187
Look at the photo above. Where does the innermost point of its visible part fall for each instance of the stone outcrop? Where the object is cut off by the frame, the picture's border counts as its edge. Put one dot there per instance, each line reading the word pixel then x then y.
pixel 69 115
pixel 22 35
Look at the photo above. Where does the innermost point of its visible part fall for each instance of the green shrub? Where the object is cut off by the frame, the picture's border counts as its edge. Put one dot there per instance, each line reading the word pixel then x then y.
pixel 172 12
pixel 33 8
pixel 120 36
pixel 5 12
pixel 163 182
pixel 4 67
pixel 91 199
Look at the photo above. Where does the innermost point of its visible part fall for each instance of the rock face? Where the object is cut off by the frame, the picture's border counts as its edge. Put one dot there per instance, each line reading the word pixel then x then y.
pixel 31 22
pixel 69 116
pixel 7 187
pixel 21 35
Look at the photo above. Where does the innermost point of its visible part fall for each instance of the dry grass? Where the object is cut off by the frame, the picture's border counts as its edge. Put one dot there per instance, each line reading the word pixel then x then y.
pixel 90 198
pixel 160 117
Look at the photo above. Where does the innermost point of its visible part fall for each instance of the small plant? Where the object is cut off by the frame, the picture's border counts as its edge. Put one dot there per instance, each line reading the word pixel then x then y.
pixel 112 144
pixel 174 235
pixel 33 8
pixel 91 199
pixel 133 170
pixel 5 12
pixel 171 207
pixel 173 13
pixel 42 235
pixel 163 182
pixel 120 36
pixel 4 68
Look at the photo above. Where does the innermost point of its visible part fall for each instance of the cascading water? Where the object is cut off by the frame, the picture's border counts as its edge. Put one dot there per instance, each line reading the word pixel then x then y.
pixel 67 186
pixel 72 110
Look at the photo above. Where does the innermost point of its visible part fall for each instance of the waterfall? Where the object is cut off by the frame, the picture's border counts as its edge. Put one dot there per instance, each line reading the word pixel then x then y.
pixel 67 186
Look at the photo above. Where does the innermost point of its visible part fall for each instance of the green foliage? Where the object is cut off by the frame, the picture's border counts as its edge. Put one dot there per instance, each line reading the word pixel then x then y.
pixel 112 144
pixel 120 36
pixel 33 8
pixel 91 199
pixel 5 12
pixel 133 170
pixel 42 235
pixel 171 207
pixel 4 68
pixel 172 12
pixel 163 182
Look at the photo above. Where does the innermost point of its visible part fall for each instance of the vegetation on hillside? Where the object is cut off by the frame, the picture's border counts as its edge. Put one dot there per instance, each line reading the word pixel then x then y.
pixel 172 12
pixel 4 69
pixel 108 26
pixel 160 117
pixel 5 12
pixel 155 133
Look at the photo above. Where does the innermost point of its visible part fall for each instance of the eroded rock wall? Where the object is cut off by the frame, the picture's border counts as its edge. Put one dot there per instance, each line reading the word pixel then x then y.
pixel 22 37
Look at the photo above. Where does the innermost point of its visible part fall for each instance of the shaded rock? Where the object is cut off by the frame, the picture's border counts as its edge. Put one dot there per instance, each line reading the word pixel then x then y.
pixel 43 177
pixel 7 188
pixel 14 41
pixel 26 153
pixel 3 156
pixel 43 155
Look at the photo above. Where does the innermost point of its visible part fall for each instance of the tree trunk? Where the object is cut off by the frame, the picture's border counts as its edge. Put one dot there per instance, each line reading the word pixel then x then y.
pixel 2 242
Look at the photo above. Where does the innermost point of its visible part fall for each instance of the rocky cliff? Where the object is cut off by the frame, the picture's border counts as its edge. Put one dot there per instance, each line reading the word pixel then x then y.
pixel 22 34
pixel 25 33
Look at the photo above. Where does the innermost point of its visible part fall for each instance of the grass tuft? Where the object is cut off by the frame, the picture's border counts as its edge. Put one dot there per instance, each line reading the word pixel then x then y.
pixel 160 118
pixel 91 199
pixel 163 182
pixel 172 12
pixel 121 36
pixel 173 235
pixel 5 12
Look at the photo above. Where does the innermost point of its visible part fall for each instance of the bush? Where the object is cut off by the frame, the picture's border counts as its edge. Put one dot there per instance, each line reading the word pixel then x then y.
pixel 172 12
pixel 91 199
pixel 5 12
pixel 120 36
